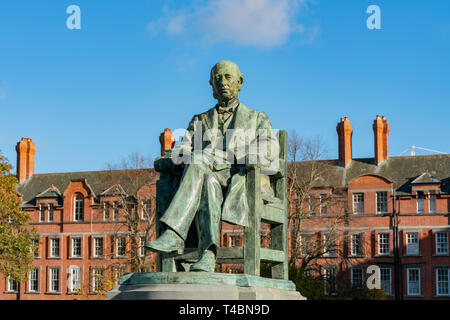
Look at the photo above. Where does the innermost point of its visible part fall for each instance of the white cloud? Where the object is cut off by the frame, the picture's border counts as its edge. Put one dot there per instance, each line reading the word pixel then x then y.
pixel 262 23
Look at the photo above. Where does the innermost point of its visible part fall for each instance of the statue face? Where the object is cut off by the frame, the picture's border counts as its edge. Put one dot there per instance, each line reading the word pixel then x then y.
pixel 226 81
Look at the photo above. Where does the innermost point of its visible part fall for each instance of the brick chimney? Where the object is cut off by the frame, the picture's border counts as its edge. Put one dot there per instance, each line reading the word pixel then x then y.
pixel 26 150
pixel 381 133
pixel 167 140
pixel 345 131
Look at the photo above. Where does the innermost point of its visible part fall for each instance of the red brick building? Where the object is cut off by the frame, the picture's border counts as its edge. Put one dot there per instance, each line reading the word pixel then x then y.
pixel 82 225
pixel 394 213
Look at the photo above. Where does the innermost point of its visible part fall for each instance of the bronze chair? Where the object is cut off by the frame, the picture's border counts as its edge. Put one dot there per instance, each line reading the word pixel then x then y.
pixel 268 210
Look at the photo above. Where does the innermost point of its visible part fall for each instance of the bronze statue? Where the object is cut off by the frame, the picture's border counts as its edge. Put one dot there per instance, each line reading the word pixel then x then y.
pixel 233 138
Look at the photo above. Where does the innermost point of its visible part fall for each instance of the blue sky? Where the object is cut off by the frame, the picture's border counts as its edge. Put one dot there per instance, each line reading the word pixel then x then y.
pixel 92 96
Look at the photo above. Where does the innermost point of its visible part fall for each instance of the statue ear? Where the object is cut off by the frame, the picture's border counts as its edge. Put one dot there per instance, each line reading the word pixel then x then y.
pixel 210 82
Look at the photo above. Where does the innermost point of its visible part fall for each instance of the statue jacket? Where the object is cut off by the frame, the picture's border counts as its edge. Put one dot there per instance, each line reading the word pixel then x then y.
pixel 246 137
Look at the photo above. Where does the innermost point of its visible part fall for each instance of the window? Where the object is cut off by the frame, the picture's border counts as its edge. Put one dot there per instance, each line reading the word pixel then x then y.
pixel 382 204
pixel 329 280
pixel 386 280
pixel 76 247
pixel 12 285
pixel 54 248
pixel 41 213
pixel 115 211
pixel 35 248
pixel 98 247
pixel 323 204
pixel 420 202
pixel 383 243
pixel 432 201
pixel 146 209
pixel 234 240
pixel 50 212
pixel 106 211
pixel 75 278
pixel 358 203
pixel 413 277
pixel 78 208
pixel 412 243
pixel 33 280
pixel 97 275
pixel 54 279
pixel 329 245
pixel 442 281
pixel 441 242
pixel 305 244
pixel 141 247
pixel 357 277
pixel 356 245
pixel 120 246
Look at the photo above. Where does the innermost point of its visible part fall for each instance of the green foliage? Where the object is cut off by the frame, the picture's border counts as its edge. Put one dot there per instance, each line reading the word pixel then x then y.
pixel 309 287
pixel 16 237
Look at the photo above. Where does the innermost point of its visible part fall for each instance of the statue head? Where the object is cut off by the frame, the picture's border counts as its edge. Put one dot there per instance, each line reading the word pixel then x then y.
pixel 226 80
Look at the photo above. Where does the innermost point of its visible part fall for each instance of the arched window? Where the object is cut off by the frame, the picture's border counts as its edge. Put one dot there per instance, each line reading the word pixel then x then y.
pixel 78 207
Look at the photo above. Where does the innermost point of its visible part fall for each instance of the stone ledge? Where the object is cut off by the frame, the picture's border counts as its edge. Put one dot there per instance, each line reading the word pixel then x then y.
pixel 201 286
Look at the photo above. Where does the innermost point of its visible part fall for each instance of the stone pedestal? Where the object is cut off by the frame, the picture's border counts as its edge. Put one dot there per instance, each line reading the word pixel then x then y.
pixel 201 286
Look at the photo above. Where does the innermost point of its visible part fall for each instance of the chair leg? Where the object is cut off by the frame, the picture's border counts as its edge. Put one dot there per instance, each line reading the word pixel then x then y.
pixel 278 242
pixel 252 233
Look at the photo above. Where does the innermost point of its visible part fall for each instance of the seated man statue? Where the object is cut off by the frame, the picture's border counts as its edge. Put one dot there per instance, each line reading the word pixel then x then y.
pixel 218 148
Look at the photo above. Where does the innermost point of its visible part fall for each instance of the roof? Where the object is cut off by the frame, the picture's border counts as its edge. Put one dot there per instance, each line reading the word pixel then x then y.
pixel 98 181
pixel 401 171
pixel 426 178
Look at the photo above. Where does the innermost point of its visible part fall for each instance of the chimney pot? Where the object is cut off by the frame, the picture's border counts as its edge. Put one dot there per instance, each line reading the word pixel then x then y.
pixel 345 131
pixel 381 142
pixel 26 149
pixel 167 140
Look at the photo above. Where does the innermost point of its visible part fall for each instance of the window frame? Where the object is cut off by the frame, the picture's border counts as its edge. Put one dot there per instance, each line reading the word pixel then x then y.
pixel 408 244
pixel 352 277
pixel 382 202
pixel 78 208
pixel 432 197
pixel 408 286
pixel 75 279
pixel 51 247
pixel 389 292
pixel 120 238
pixel 384 243
pixel 447 270
pixel 360 244
pixel 72 251
pixel 94 249
pixel 51 279
pixel 358 204
pixel 437 243
pixel 51 212
pixel 11 285
pixel 31 279
pixel 420 205
pixel 41 212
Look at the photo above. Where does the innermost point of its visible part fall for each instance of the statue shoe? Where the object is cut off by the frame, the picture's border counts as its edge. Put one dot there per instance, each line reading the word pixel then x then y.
pixel 168 242
pixel 207 262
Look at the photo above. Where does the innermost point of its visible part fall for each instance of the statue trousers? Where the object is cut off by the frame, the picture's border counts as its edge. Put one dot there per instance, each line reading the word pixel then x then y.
pixel 200 196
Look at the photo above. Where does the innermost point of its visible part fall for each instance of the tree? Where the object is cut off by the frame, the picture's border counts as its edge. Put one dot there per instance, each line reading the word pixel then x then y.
pixel 16 236
pixel 136 207
pixel 310 194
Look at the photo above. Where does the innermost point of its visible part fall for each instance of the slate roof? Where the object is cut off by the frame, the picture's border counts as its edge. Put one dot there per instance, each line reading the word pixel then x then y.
pixel 426 178
pixel 97 181
pixel 401 171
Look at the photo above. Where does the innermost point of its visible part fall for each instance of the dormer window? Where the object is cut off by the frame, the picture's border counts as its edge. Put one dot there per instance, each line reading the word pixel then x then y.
pixel 78 207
